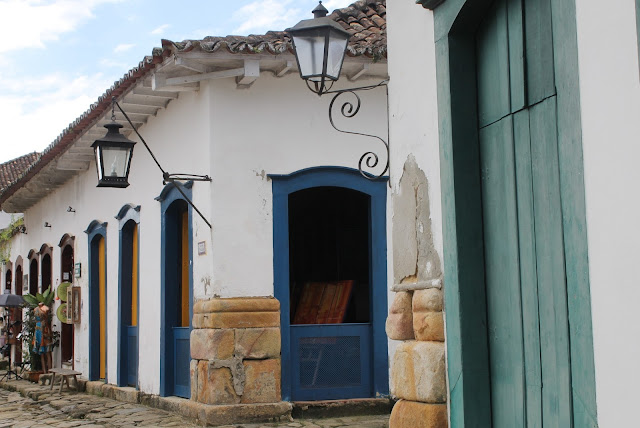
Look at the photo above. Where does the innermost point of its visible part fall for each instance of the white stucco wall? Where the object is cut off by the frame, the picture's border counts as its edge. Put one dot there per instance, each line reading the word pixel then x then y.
pixel 413 107
pixel 276 127
pixel 610 106
pixel 174 136
pixel 236 136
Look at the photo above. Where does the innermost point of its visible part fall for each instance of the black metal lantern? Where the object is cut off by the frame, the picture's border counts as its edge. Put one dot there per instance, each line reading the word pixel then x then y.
pixel 113 157
pixel 320 45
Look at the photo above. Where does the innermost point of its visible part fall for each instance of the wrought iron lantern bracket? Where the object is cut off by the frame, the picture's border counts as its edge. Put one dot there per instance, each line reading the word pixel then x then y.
pixel 166 176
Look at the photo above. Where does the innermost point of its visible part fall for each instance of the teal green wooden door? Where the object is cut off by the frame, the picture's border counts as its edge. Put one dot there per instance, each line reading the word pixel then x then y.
pixel 522 219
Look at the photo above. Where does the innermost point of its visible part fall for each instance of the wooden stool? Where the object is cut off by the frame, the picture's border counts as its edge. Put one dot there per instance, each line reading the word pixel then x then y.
pixel 65 374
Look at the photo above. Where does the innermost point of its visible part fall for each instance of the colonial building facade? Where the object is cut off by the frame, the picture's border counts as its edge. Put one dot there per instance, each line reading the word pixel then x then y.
pixel 209 306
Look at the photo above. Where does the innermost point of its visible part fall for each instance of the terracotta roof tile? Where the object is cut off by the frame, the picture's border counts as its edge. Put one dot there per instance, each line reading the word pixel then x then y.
pixel 11 171
pixel 361 15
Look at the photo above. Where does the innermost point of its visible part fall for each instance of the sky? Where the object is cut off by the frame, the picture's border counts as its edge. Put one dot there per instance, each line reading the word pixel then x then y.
pixel 58 56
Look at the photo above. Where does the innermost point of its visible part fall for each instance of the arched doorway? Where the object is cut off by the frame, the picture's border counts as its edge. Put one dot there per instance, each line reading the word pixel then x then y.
pixel 46 267
pixel 8 279
pixel 330 279
pixel 17 312
pixel 129 218
pixel 97 300
pixel 176 292
pixel 66 273
pixel 33 272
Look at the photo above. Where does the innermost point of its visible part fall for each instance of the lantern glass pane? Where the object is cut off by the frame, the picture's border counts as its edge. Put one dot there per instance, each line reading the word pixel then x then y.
pixel 310 52
pixel 115 161
pixel 335 56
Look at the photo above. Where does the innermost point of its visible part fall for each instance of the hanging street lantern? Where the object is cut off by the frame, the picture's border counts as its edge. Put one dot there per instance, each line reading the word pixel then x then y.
pixel 320 45
pixel 113 157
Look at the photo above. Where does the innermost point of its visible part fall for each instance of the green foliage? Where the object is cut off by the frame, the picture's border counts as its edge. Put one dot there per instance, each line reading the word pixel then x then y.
pixel 5 238
pixel 46 298
pixel 29 326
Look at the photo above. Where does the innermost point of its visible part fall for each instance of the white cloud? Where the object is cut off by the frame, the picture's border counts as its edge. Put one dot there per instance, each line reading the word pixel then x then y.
pixel 160 30
pixel 32 23
pixel 123 47
pixel 40 107
pixel 263 15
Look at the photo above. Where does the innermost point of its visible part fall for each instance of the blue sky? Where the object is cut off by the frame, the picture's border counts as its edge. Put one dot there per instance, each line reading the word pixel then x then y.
pixel 57 57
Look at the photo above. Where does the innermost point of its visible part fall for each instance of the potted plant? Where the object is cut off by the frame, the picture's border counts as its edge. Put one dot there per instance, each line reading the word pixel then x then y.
pixel 29 331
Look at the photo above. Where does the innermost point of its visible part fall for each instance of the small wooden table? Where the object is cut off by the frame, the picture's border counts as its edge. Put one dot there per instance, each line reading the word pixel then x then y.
pixel 65 374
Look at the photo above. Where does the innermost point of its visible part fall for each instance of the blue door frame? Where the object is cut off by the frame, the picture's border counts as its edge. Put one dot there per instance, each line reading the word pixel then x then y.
pixel 94 230
pixel 285 185
pixel 174 341
pixel 127 334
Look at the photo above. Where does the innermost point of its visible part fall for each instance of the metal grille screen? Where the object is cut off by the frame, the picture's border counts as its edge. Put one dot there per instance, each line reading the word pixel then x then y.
pixel 330 361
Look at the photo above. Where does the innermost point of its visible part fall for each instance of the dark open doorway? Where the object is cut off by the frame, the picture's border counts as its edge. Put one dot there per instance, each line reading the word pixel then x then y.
pixel 17 313
pixel 329 244
pixel 46 271
pixel 33 276
pixel 66 332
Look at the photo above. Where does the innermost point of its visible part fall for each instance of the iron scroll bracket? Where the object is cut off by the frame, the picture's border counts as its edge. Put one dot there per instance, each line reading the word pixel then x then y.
pixel 349 109
pixel 166 176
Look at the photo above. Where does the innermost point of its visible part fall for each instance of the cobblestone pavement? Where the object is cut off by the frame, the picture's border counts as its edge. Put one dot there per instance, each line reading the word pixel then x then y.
pixel 72 409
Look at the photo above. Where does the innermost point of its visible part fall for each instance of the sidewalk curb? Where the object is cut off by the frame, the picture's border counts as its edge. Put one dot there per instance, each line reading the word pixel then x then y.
pixel 200 413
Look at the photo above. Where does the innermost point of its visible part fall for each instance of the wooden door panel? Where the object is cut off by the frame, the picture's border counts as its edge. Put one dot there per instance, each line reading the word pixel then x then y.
pixel 493 67
pixel 541 82
pixel 502 273
pixel 551 272
pixel 528 269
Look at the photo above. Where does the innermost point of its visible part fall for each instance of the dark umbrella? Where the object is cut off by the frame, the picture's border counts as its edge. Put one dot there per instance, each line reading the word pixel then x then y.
pixel 11 300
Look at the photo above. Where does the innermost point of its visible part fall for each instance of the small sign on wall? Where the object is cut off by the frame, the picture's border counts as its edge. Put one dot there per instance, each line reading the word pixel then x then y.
pixel 78 270
pixel 65 276
pixel 76 297
pixel 202 248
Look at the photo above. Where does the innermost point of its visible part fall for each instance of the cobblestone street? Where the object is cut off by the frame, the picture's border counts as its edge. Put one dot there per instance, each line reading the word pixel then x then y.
pixel 73 409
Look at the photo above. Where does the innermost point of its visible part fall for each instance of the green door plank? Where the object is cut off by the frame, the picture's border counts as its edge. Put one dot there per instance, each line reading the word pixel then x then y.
pixel 574 213
pixel 502 273
pixel 516 55
pixel 493 66
pixel 528 272
pixel 539 50
pixel 552 294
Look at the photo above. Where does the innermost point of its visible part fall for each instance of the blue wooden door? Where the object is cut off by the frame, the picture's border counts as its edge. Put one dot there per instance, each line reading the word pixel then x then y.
pixel 331 361
pixel 181 361
pixel 528 331
pixel 132 356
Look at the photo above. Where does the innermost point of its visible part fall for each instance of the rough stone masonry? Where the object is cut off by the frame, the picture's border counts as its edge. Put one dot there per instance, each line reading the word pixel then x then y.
pixel 416 314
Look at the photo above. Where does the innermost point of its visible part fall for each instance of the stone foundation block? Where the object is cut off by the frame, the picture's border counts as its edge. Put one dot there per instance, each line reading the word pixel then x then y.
pixel 237 304
pixel 411 414
pixel 209 344
pixel 429 300
pixel 262 383
pixel 400 320
pixel 257 343
pixel 428 326
pixel 193 372
pixel 418 372
pixel 215 385
pixel 228 320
